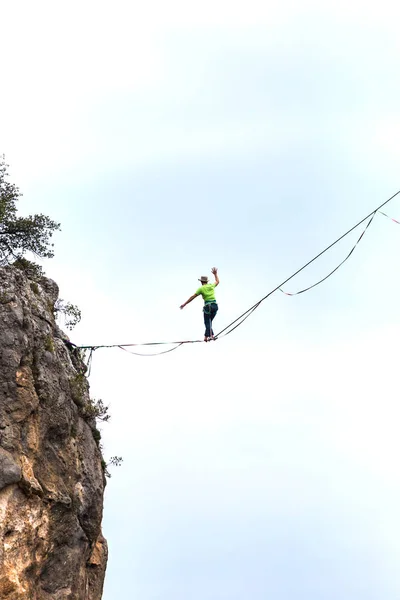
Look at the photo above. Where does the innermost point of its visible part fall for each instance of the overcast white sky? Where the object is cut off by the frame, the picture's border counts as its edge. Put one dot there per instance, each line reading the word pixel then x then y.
pixel 171 137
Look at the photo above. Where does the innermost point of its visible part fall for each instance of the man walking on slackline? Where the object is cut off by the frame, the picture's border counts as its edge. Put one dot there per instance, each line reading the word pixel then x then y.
pixel 207 291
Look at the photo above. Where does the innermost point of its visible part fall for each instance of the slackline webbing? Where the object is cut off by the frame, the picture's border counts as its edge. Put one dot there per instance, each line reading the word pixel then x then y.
pixel 335 269
pixel 239 320
pixel 391 218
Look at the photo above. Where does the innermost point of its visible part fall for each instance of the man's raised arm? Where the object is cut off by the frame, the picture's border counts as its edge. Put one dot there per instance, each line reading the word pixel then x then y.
pixel 214 271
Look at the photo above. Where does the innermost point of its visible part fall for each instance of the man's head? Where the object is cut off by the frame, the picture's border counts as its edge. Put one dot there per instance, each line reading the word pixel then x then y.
pixel 203 279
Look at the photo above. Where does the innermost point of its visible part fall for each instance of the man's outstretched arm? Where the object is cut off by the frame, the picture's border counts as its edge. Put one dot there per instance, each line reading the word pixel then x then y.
pixel 187 301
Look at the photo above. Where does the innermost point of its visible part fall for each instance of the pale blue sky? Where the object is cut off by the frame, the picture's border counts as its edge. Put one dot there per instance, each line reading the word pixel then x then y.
pixel 169 138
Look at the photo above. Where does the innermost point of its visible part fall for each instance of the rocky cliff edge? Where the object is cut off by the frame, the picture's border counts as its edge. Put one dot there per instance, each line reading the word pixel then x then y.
pixel 51 473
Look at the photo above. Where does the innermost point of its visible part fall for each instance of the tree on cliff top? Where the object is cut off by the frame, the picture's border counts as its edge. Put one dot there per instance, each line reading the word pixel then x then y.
pixel 19 235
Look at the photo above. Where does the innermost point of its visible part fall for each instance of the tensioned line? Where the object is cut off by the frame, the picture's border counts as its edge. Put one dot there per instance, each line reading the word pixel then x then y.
pixel 239 320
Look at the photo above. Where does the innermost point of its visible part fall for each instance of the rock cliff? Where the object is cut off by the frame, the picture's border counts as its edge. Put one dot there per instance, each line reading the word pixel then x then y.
pixel 51 470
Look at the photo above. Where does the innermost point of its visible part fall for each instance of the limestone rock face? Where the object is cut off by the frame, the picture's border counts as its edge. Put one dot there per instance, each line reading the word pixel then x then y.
pixel 51 476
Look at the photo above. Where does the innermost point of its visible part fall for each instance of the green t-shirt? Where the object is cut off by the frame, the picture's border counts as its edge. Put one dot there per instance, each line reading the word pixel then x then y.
pixel 207 291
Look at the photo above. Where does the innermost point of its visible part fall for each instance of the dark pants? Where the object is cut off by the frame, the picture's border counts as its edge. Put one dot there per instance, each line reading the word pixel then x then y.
pixel 209 310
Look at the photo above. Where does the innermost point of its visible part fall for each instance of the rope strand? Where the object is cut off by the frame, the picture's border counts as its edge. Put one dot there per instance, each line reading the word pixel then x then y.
pixel 311 261
pixel 239 320
pixel 335 269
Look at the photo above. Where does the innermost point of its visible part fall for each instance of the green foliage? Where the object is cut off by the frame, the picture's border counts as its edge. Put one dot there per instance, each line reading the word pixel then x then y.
pixel 49 344
pixel 31 269
pixel 92 411
pixel 78 389
pixel 71 313
pixel 96 409
pixel 19 235
pixel 96 435
pixel 114 461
